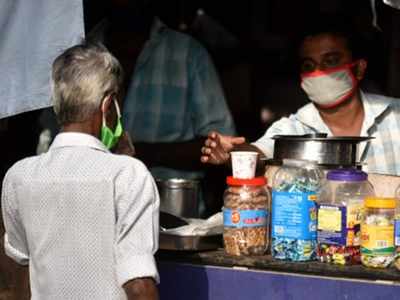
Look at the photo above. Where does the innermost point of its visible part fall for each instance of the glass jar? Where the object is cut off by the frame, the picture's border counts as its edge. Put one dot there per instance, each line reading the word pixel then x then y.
pixel 397 229
pixel 294 211
pixel 246 214
pixel 377 232
pixel 340 207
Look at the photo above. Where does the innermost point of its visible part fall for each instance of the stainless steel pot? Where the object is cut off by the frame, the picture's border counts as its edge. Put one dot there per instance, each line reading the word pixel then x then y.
pixel 327 151
pixel 179 197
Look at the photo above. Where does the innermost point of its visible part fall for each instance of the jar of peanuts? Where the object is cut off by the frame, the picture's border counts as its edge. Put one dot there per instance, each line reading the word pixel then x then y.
pixel 246 216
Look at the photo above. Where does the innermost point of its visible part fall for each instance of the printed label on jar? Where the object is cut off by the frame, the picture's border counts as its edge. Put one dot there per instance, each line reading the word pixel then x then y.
pixel 377 239
pixel 339 225
pixel 245 218
pixel 397 232
pixel 294 215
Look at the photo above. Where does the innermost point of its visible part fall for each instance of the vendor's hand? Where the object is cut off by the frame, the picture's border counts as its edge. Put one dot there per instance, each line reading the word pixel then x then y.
pixel 125 145
pixel 217 147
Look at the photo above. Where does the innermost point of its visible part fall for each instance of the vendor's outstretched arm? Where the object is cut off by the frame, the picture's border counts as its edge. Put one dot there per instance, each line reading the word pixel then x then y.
pixel 217 147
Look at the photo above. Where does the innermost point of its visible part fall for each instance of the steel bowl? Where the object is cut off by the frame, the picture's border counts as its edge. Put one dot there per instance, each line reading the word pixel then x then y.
pixel 179 197
pixel 335 151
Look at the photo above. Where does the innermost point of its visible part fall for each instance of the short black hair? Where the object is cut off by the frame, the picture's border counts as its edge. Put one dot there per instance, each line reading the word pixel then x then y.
pixel 337 26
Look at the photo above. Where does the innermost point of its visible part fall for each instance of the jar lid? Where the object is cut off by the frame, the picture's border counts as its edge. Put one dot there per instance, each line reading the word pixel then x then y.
pixel 347 175
pixel 256 181
pixel 380 202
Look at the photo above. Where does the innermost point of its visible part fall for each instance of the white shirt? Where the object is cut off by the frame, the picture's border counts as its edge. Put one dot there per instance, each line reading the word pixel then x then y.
pixel 85 220
pixel 32 34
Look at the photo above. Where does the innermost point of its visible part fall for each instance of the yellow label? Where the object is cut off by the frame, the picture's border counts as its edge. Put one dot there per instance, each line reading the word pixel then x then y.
pixel 329 219
pixel 354 214
pixel 377 237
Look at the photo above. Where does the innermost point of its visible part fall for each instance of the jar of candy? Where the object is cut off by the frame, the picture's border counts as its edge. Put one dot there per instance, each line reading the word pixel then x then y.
pixel 377 232
pixel 340 207
pixel 397 229
pixel 294 210
pixel 246 216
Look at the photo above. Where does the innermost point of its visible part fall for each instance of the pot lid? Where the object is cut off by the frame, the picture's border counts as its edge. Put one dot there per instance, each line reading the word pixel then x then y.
pixel 322 137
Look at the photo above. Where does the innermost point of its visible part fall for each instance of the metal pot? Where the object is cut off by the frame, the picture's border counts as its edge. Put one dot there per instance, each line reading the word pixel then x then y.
pixel 179 197
pixel 327 151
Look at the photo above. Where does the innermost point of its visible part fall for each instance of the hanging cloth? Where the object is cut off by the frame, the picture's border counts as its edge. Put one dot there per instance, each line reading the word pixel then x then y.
pixel 32 34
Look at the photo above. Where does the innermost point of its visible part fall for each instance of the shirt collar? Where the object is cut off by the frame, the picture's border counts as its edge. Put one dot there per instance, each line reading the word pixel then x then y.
pixel 373 109
pixel 157 28
pixel 156 34
pixel 76 139
pixel 310 117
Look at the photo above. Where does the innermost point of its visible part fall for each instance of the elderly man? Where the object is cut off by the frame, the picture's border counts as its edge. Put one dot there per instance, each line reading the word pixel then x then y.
pixel 331 70
pixel 84 219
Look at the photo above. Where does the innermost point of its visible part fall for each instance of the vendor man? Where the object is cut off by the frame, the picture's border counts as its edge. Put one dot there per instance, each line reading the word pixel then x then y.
pixel 84 220
pixel 331 71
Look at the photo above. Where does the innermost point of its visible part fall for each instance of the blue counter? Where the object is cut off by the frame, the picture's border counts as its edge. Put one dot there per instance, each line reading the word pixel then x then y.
pixel 197 281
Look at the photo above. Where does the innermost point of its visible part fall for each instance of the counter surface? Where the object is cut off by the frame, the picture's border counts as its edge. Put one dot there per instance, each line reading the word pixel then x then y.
pixel 265 262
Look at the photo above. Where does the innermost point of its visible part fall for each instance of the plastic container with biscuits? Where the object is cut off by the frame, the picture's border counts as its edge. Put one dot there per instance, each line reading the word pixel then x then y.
pixel 246 216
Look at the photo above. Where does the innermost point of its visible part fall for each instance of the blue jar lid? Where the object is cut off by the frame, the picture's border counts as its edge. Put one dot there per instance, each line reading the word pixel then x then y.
pixel 347 175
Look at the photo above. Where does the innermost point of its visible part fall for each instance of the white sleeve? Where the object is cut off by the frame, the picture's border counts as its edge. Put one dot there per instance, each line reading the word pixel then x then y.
pixel 137 225
pixel 284 126
pixel 15 242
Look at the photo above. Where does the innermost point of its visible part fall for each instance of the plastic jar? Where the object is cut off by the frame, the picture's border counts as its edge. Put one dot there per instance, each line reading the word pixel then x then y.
pixel 294 210
pixel 340 207
pixel 377 232
pixel 397 229
pixel 246 216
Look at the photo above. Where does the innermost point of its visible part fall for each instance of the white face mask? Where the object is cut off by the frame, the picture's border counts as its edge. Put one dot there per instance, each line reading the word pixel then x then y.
pixel 329 88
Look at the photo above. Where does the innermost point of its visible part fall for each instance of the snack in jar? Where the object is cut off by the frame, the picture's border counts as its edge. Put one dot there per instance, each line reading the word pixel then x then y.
pixel 246 215
pixel 340 207
pixel 397 230
pixel 377 232
pixel 294 210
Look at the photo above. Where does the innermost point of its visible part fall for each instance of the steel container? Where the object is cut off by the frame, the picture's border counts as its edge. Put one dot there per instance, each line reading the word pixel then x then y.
pixel 327 151
pixel 179 197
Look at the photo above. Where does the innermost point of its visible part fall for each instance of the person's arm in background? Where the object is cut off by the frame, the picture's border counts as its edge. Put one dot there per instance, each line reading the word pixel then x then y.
pixel 177 155
pixel 137 205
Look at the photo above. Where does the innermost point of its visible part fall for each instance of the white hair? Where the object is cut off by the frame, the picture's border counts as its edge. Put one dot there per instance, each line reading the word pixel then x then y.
pixel 82 76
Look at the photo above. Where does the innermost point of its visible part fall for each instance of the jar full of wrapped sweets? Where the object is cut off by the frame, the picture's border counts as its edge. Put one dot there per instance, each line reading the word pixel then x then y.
pixel 340 208
pixel 377 232
pixel 294 211
pixel 397 230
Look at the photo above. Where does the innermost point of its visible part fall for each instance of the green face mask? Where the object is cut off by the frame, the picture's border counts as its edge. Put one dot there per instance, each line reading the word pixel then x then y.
pixel 108 137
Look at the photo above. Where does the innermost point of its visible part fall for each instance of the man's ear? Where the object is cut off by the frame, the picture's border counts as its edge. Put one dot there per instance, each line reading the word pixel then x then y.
pixel 361 67
pixel 105 104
